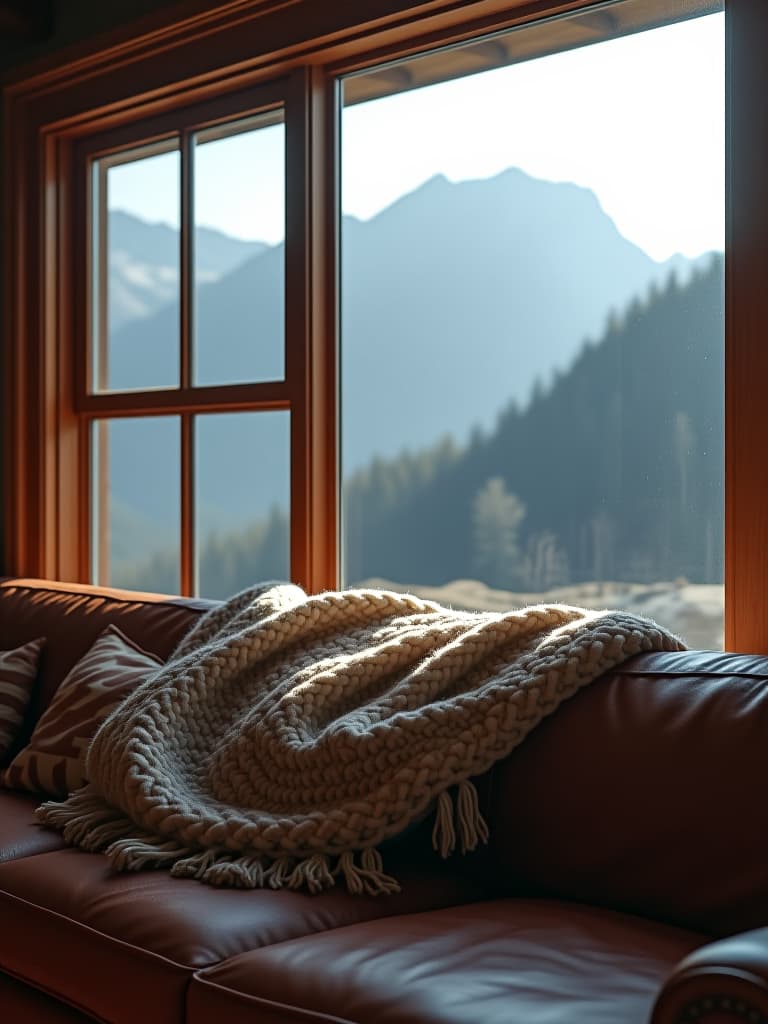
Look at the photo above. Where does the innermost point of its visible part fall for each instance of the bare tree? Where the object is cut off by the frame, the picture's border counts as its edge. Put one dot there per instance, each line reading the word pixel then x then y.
pixel 496 518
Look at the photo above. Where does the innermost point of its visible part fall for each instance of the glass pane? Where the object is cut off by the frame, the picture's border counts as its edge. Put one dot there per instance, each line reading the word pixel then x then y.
pixel 239 255
pixel 135 246
pixel 242 500
pixel 532 309
pixel 135 503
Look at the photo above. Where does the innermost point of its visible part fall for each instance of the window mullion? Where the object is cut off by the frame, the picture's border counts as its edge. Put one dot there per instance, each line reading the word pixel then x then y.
pixel 101 319
pixel 100 501
pixel 186 260
pixel 99 470
pixel 186 329
pixel 311 334
pixel 187 564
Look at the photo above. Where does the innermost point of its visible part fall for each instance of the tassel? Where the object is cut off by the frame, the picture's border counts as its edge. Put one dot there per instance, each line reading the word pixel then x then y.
pixel 371 860
pixel 472 825
pixel 95 838
pixel 375 881
pixel 196 865
pixel 298 876
pixel 346 867
pixel 317 873
pixel 279 871
pixel 240 873
pixel 85 820
pixel 313 872
pixel 443 833
pixel 252 872
pixel 368 877
pixel 137 853
pixel 83 805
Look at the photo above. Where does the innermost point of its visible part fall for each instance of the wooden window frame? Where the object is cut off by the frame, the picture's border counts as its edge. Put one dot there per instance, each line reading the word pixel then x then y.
pixel 98 405
pixel 158 66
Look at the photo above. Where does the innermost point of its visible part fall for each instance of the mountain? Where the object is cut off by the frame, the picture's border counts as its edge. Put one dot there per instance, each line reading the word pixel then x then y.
pixel 238 329
pixel 455 299
pixel 612 472
pixel 144 264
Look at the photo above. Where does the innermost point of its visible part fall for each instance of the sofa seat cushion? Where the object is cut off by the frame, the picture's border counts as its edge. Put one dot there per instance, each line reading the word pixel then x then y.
pixel 79 929
pixel 538 962
pixel 20 833
pixel 21 1004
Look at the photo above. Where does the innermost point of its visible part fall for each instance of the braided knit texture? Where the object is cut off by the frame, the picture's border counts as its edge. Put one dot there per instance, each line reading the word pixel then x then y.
pixel 288 735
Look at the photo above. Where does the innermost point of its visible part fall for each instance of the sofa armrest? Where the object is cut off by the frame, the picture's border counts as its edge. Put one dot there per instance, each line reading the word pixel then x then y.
pixel 720 983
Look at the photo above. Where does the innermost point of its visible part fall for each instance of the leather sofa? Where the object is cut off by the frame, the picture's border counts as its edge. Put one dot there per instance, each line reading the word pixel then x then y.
pixel 625 880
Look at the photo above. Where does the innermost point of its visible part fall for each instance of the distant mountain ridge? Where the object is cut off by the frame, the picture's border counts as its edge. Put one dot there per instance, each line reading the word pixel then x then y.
pixel 144 264
pixel 458 296
pixel 613 472
pixel 454 301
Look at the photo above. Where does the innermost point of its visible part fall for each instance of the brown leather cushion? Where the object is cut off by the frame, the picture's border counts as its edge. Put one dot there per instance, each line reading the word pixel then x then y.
pixel 644 793
pixel 21 1004
pixel 18 672
pixel 53 762
pixel 507 960
pixel 124 946
pixel 21 835
pixel 71 616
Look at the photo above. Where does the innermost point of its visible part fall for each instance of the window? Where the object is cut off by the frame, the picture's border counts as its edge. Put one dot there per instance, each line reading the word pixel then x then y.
pixel 197 103
pixel 186 302
pixel 532 323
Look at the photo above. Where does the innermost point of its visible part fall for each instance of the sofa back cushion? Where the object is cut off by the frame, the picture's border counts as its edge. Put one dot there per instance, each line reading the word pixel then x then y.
pixel 71 616
pixel 644 792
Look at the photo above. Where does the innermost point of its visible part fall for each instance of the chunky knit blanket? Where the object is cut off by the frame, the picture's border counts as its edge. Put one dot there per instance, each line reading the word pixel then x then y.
pixel 288 736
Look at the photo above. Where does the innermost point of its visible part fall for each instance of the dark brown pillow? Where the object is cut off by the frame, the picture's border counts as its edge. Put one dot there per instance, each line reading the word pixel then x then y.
pixel 18 672
pixel 53 761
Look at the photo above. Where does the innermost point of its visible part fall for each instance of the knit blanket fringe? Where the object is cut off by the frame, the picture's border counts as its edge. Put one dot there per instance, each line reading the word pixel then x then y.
pixel 289 736
pixel 86 821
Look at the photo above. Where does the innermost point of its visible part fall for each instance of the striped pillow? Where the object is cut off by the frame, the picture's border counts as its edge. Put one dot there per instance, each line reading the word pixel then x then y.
pixel 18 672
pixel 54 760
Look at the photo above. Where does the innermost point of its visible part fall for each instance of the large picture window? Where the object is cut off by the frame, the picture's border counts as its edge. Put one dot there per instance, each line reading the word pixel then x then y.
pixel 532 333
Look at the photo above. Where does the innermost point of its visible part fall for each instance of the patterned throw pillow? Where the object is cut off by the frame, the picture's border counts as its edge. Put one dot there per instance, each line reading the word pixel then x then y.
pixel 18 672
pixel 54 760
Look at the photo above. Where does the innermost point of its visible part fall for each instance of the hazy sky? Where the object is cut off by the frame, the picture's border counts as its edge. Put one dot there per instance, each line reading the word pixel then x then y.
pixel 639 120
